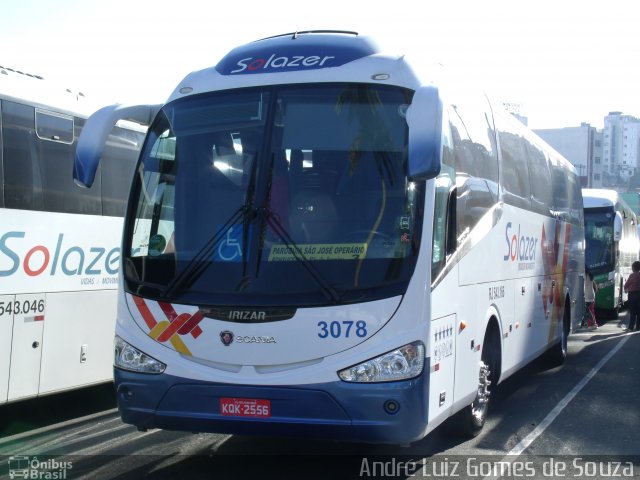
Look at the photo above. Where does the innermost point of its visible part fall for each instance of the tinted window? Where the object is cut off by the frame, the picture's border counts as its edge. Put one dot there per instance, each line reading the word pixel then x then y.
pixel 514 169
pixel 475 162
pixel 567 193
pixel 37 172
pixel 37 164
pixel 23 179
pixel 474 140
pixel 55 127
pixel 444 185
pixel 540 177
pixel 285 194
pixel 120 155
pixel 60 192
pixel 1 163
pixel 577 212
pixel 598 233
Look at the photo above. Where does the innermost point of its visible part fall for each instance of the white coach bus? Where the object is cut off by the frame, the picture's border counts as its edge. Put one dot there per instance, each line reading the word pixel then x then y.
pixel 320 242
pixel 59 243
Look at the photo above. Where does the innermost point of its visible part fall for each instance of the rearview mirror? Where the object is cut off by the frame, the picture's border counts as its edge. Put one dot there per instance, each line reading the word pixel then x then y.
pixel 424 117
pixel 95 132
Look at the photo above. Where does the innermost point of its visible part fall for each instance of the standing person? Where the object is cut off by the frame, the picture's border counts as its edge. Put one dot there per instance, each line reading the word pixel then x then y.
pixel 590 289
pixel 632 287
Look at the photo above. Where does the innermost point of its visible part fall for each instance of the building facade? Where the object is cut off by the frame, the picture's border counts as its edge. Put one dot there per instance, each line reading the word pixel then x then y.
pixel 621 145
pixel 580 146
pixel 608 158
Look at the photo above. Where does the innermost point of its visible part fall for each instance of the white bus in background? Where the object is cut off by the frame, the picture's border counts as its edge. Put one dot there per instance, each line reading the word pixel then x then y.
pixel 612 245
pixel 321 243
pixel 59 243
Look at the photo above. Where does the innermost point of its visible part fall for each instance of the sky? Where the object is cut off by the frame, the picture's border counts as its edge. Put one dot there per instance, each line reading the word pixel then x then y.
pixel 561 62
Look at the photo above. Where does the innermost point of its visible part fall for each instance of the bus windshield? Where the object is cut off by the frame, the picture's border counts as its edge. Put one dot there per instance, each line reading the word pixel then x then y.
pixel 288 195
pixel 599 251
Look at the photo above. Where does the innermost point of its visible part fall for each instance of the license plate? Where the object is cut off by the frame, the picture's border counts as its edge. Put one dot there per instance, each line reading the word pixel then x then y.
pixel 245 407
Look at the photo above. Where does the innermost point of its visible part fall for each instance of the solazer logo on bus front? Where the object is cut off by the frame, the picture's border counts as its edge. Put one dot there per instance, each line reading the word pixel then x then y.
pixel 281 62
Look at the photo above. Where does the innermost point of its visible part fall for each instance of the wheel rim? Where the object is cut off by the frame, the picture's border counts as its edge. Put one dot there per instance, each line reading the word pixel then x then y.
pixel 481 403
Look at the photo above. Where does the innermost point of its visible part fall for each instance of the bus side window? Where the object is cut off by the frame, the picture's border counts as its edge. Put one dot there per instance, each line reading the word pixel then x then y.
pixel 36 168
pixel 514 169
pixel 445 183
pixel 23 182
pixel 120 155
pixel 440 224
pixel 575 203
pixel 1 163
pixel 153 234
pixel 563 192
pixel 540 178
pixel 475 162
pixel 54 127
pixel 55 149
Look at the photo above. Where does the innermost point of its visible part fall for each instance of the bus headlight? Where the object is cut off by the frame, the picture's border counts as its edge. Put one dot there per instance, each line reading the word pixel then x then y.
pixel 128 357
pixel 400 364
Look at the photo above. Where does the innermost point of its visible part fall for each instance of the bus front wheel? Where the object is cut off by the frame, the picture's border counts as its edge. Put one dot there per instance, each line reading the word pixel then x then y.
pixel 469 421
pixel 480 407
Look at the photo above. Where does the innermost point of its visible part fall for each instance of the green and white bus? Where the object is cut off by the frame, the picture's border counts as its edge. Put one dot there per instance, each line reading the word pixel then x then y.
pixel 611 235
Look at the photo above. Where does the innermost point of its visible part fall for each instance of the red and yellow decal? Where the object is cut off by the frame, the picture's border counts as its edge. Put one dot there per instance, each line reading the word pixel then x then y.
pixel 555 255
pixel 171 328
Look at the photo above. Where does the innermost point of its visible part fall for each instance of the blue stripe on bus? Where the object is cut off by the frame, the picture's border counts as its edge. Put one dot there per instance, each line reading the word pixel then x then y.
pixel 348 411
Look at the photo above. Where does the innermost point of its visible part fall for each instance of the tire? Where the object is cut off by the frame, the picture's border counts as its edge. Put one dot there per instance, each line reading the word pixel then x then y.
pixel 479 409
pixel 469 421
pixel 558 353
pixel 614 313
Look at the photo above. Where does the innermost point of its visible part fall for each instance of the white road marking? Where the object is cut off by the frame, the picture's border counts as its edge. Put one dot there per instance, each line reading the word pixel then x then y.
pixel 551 416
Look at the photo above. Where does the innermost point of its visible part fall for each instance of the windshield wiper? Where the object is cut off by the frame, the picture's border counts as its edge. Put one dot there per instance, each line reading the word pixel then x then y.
pixel 272 219
pixel 197 265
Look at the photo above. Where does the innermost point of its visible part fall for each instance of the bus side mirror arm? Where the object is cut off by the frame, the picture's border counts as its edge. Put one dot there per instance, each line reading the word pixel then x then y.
pixel 424 117
pixel 95 132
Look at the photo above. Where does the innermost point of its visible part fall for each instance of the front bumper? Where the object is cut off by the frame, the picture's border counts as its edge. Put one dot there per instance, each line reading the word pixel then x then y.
pixel 337 410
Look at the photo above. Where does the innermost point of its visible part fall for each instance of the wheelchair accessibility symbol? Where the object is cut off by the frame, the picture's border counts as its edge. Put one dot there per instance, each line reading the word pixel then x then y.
pixel 230 248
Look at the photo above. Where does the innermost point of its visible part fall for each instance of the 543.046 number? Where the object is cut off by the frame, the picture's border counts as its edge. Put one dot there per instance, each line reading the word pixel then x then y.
pixel 17 307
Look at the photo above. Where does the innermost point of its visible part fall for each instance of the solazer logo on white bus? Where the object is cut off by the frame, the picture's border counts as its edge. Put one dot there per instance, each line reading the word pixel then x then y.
pixel 275 62
pixel 521 248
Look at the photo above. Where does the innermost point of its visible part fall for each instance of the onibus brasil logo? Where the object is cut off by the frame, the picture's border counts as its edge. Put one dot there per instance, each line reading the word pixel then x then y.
pixel 31 467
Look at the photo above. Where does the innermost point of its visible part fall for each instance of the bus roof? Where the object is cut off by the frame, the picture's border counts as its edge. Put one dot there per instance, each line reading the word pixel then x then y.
pixel 304 57
pixel 23 87
pixel 296 51
pixel 600 197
